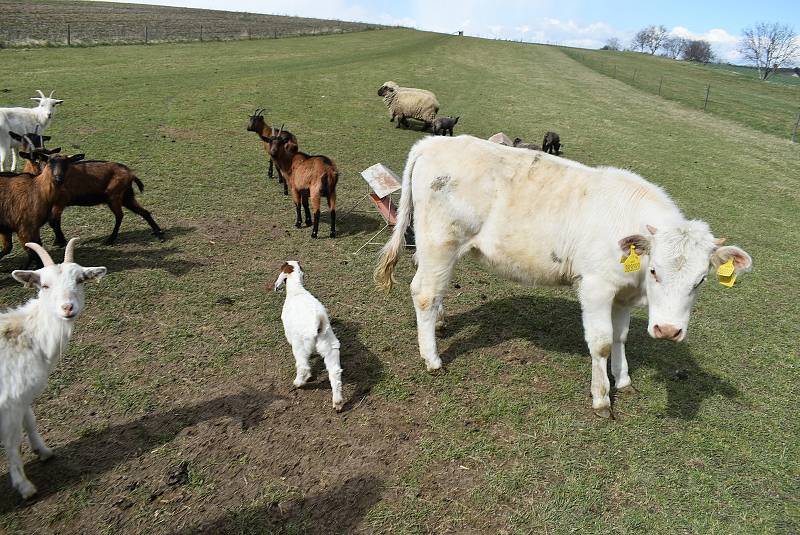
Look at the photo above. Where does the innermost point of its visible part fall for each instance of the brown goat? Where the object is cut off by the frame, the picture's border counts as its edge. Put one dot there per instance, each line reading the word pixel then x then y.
pixel 258 125
pixel 309 177
pixel 26 200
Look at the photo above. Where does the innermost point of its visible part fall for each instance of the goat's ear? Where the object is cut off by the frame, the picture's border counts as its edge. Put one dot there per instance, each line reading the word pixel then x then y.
pixel 15 136
pixel 46 138
pixel 290 146
pixel 28 156
pixel 92 273
pixel 29 279
pixel 281 279
pixel 57 102
pixel 76 158
pixel 54 151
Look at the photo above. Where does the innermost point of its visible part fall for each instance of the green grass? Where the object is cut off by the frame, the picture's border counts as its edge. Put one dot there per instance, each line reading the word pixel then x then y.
pixel 502 442
pixel 735 93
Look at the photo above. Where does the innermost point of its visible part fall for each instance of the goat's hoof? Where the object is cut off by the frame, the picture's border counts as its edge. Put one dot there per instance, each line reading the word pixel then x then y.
pixel 630 389
pixel 44 454
pixel 26 489
pixel 298 225
pixel 333 234
pixel 314 235
pixel 109 241
pixel 434 365
pixel 308 223
pixel 604 413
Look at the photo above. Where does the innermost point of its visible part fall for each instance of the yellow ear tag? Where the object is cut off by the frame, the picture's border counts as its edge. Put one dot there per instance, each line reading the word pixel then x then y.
pixel 632 262
pixel 726 274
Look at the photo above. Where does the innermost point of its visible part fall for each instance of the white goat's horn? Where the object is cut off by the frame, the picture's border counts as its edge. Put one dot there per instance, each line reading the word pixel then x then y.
pixel 51 93
pixel 70 250
pixel 40 93
pixel 46 260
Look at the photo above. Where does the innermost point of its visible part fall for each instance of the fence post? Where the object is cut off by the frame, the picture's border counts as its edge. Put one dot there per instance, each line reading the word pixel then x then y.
pixel 634 76
pixel 659 85
pixel 248 33
pixel 705 104
pixel 615 70
pixel 69 35
pixel 796 124
pixel 146 37
pixel 201 33
pixel 275 34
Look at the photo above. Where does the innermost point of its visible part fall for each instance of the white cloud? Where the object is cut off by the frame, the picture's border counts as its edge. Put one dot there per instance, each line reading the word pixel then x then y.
pixel 724 44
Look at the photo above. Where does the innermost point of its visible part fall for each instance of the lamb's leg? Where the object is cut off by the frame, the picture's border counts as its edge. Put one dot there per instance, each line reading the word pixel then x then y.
pixel 37 443
pixel 302 352
pixel 328 347
pixel 11 429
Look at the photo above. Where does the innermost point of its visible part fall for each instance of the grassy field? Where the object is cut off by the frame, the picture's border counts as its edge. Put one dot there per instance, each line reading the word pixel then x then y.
pixel 45 23
pixel 172 411
pixel 734 94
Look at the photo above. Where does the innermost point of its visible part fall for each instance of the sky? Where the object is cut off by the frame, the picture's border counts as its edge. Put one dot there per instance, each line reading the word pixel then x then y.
pixel 581 23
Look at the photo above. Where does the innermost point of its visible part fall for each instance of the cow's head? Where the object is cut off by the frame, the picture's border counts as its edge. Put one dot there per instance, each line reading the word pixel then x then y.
pixel 676 261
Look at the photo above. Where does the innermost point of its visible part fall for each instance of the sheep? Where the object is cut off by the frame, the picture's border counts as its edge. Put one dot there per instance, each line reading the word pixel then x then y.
pixel 551 143
pixel 404 103
pixel 258 125
pixel 33 338
pixel 24 120
pixel 442 125
pixel 522 145
pixel 308 328
pixel 308 177
pixel 26 200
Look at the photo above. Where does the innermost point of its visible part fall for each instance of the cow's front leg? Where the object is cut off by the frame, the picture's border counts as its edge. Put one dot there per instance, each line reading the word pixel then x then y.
pixel 596 301
pixel 621 318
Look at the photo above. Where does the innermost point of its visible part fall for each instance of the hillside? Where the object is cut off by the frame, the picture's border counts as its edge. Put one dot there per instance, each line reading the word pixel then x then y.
pixel 46 23
pixel 173 411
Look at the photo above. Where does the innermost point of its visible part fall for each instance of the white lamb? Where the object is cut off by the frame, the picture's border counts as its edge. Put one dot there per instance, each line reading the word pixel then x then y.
pixel 308 328
pixel 32 339
pixel 23 121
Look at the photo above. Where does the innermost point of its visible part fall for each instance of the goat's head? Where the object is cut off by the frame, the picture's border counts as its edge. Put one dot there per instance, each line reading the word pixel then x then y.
pixel 56 164
pixel 256 121
pixel 29 141
pixel 289 270
pixel 60 286
pixel 48 103
pixel 281 140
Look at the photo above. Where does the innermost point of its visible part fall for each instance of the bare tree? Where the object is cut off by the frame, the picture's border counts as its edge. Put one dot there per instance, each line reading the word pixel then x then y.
pixel 674 46
pixel 656 37
pixel 612 43
pixel 699 51
pixel 640 40
pixel 769 44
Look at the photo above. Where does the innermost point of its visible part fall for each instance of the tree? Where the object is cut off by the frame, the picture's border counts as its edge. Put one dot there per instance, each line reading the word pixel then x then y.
pixel 769 44
pixel 698 50
pixel 656 36
pixel 674 46
pixel 612 43
pixel 640 40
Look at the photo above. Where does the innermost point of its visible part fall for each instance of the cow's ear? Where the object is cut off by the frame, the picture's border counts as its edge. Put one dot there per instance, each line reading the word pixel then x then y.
pixel 641 244
pixel 742 262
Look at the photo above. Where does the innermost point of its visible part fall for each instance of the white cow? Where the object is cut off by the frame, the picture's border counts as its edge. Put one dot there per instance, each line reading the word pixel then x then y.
pixel 544 220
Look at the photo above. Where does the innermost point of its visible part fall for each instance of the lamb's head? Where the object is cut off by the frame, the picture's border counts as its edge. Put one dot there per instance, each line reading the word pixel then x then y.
pixel 290 270
pixel 256 121
pixel 60 286
pixel 388 87
pixel 48 104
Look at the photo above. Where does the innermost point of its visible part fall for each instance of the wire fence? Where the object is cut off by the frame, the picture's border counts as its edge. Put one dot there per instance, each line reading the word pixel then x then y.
pixel 772 108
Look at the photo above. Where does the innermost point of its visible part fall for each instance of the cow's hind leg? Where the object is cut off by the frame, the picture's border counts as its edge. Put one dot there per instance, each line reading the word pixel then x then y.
pixel 436 263
pixel 621 318
pixel 596 301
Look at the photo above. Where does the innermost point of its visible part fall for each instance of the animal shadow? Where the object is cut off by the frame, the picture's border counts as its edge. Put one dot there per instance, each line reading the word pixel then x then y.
pixel 90 456
pixel 555 324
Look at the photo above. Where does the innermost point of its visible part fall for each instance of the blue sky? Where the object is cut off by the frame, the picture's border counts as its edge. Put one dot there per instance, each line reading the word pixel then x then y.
pixel 571 22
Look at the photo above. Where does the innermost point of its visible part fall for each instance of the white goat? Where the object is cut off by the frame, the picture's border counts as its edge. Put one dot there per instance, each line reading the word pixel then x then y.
pixel 32 339
pixel 307 327
pixel 22 121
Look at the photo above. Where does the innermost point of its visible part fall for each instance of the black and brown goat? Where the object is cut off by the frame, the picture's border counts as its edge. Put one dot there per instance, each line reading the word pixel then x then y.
pixel 27 198
pixel 551 143
pixel 258 125
pixel 309 178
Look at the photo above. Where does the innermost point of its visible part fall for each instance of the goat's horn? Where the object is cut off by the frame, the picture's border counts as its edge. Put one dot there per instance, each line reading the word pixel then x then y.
pixel 46 260
pixel 51 93
pixel 40 93
pixel 281 130
pixel 70 250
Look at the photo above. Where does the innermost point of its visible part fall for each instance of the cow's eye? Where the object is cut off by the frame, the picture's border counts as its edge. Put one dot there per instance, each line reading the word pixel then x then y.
pixel 45 286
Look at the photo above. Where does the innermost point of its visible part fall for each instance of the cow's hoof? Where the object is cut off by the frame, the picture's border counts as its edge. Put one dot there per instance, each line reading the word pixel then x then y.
pixel 629 390
pixel 604 413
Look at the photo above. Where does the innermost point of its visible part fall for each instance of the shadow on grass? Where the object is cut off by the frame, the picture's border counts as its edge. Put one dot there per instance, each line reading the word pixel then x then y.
pixel 90 456
pixel 368 222
pixel 554 324
pixel 339 510
pixel 361 367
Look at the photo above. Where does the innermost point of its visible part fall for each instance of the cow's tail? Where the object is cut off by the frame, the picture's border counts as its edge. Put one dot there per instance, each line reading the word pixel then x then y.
pixel 384 271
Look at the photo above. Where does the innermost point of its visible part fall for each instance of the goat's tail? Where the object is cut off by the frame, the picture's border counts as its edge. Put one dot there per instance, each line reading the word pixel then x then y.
pixel 384 271
pixel 138 183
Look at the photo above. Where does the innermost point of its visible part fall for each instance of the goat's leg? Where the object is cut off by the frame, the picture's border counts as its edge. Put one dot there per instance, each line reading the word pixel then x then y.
pixel 269 173
pixel 328 347
pixel 315 194
pixel 55 224
pixel 13 159
pixel 305 208
pixel 332 210
pixel 130 202
pixel 302 353
pixel 3 156
pixel 282 180
pixel 37 443
pixel 115 205
pixel 33 258
pixel 297 200
pixel 7 243
pixel 11 429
